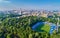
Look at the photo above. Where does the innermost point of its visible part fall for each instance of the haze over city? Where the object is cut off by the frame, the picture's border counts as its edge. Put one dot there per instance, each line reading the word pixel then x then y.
pixel 30 4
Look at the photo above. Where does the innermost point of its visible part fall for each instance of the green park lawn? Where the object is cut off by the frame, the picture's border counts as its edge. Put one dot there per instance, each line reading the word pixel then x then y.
pixel 45 28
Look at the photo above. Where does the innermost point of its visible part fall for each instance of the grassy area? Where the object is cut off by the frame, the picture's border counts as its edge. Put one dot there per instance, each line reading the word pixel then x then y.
pixel 54 32
pixel 44 27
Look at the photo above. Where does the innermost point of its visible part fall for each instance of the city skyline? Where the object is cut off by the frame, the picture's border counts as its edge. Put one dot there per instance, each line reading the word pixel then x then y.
pixel 30 4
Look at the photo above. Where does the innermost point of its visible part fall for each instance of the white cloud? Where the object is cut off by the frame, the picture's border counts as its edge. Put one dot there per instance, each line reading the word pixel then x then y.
pixel 4 1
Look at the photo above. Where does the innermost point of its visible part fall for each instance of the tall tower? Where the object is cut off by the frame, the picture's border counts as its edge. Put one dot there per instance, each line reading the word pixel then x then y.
pixel 20 11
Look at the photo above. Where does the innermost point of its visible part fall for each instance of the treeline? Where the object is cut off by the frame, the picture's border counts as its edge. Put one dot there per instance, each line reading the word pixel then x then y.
pixel 21 28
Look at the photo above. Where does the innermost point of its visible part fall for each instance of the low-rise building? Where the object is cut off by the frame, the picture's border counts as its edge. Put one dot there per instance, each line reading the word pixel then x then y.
pixel 43 15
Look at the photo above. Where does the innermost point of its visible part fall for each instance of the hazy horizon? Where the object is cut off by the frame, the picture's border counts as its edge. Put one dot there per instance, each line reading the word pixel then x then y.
pixel 30 4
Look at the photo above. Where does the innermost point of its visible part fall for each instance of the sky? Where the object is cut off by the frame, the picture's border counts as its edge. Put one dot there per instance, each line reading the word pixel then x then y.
pixel 30 4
